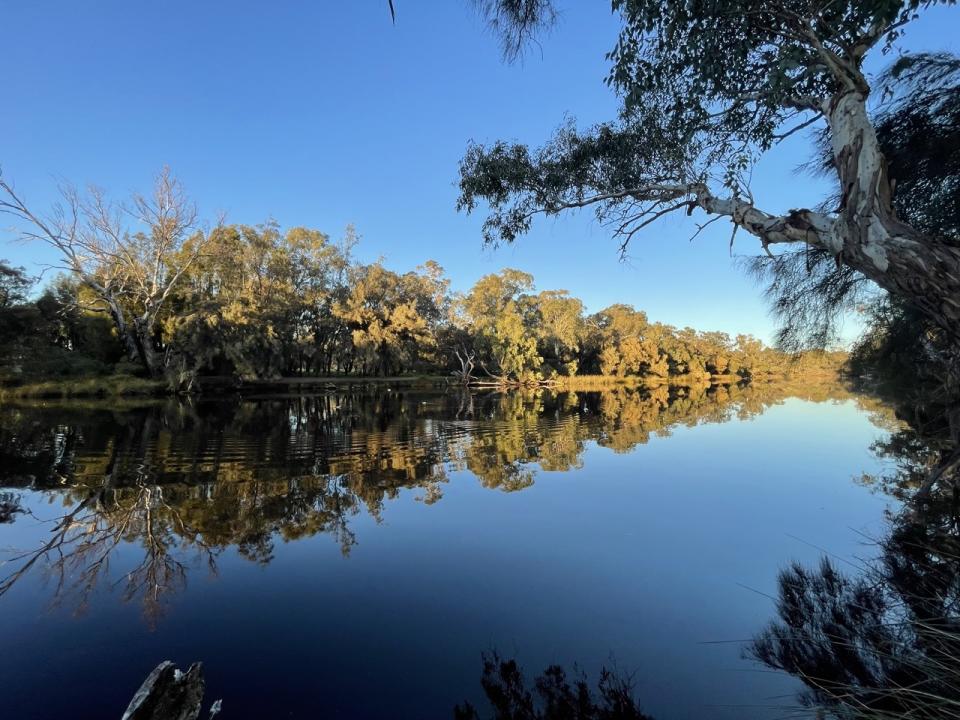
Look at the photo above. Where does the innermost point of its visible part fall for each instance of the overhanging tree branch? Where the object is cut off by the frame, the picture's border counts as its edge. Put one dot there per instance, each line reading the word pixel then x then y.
pixel 705 90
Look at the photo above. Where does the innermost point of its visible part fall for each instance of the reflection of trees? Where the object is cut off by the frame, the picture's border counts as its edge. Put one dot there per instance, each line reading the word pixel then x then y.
pixel 183 482
pixel 78 552
pixel 884 643
pixel 554 695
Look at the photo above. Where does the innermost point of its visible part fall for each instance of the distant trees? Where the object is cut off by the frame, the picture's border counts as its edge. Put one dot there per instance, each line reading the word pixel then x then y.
pixel 261 304
pixel 563 330
pixel 628 344
pixel 392 319
pixel 258 303
pixel 14 285
pixel 144 281
pixel 52 335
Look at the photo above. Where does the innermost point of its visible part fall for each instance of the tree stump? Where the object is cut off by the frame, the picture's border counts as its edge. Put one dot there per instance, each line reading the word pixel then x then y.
pixel 170 694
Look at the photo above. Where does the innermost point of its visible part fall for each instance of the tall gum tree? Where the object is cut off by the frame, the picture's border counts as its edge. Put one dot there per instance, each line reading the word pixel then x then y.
pixel 131 256
pixel 706 87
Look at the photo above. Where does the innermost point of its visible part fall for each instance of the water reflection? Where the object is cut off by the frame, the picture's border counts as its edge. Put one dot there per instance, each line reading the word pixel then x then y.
pixel 183 482
pixel 882 639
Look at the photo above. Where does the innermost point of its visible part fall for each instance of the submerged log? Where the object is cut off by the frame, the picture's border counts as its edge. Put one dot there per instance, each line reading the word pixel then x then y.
pixel 170 694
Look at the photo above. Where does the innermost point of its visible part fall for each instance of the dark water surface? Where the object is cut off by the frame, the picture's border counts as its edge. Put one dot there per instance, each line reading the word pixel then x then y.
pixel 353 555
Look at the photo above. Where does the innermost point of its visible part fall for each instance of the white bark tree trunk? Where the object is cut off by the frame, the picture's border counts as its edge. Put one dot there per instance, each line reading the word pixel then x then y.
pixel 867 234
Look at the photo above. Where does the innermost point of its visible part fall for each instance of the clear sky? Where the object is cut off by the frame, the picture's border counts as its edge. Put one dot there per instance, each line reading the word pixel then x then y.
pixel 324 114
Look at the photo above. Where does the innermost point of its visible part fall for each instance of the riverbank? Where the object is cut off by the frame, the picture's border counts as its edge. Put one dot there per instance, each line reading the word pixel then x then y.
pixel 111 386
pixel 116 386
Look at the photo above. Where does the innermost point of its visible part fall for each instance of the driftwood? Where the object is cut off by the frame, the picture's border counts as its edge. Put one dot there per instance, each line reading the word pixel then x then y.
pixel 170 694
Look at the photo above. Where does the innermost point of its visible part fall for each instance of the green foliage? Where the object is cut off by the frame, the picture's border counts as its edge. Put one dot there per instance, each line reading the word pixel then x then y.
pixel 15 320
pixel 919 130
pixel 704 88
pixel 51 337
pixel 257 303
pixel 14 285
pixel 392 319
pixel 597 167
pixel 751 58
pixel 562 330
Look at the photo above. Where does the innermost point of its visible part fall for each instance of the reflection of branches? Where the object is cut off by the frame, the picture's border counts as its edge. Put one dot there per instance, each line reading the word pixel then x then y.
pixel 874 646
pixel 466 405
pixel 60 534
pixel 554 696
pixel 82 542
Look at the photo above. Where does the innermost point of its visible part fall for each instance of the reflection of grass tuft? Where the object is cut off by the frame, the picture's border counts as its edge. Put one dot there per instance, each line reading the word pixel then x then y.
pixel 599 382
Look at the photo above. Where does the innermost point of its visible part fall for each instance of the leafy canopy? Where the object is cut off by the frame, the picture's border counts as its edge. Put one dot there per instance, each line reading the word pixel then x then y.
pixel 705 86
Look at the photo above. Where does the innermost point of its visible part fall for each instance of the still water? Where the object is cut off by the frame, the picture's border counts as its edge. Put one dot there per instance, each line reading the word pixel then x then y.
pixel 353 555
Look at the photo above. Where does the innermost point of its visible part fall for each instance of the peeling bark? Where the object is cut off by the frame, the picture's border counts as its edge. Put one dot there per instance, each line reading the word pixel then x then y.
pixel 870 236
pixel 864 233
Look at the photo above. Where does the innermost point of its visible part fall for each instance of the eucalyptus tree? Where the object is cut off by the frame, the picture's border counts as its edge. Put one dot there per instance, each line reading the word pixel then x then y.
pixel 707 87
pixel 501 315
pixel 628 344
pixel 390 318
pixel 130 255
pixel 562 329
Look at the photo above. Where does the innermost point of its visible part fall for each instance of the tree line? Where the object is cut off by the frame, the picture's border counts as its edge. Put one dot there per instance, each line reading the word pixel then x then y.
pixel 259 302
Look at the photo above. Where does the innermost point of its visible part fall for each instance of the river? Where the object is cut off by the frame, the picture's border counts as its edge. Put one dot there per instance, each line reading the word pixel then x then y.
pixel 353 554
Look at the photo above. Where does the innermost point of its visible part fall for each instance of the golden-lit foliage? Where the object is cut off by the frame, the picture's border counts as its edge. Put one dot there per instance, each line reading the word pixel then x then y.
pixel 257 303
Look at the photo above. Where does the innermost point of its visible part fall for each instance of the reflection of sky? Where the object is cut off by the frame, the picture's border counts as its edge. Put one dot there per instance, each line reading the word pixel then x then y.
pixel 326 114
pixel 641 556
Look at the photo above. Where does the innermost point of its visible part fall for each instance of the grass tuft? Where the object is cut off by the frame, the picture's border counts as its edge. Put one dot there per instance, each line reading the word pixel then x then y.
pixel 91 387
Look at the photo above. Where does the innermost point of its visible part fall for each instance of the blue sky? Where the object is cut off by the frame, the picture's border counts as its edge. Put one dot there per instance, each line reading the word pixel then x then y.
pixel 324 114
